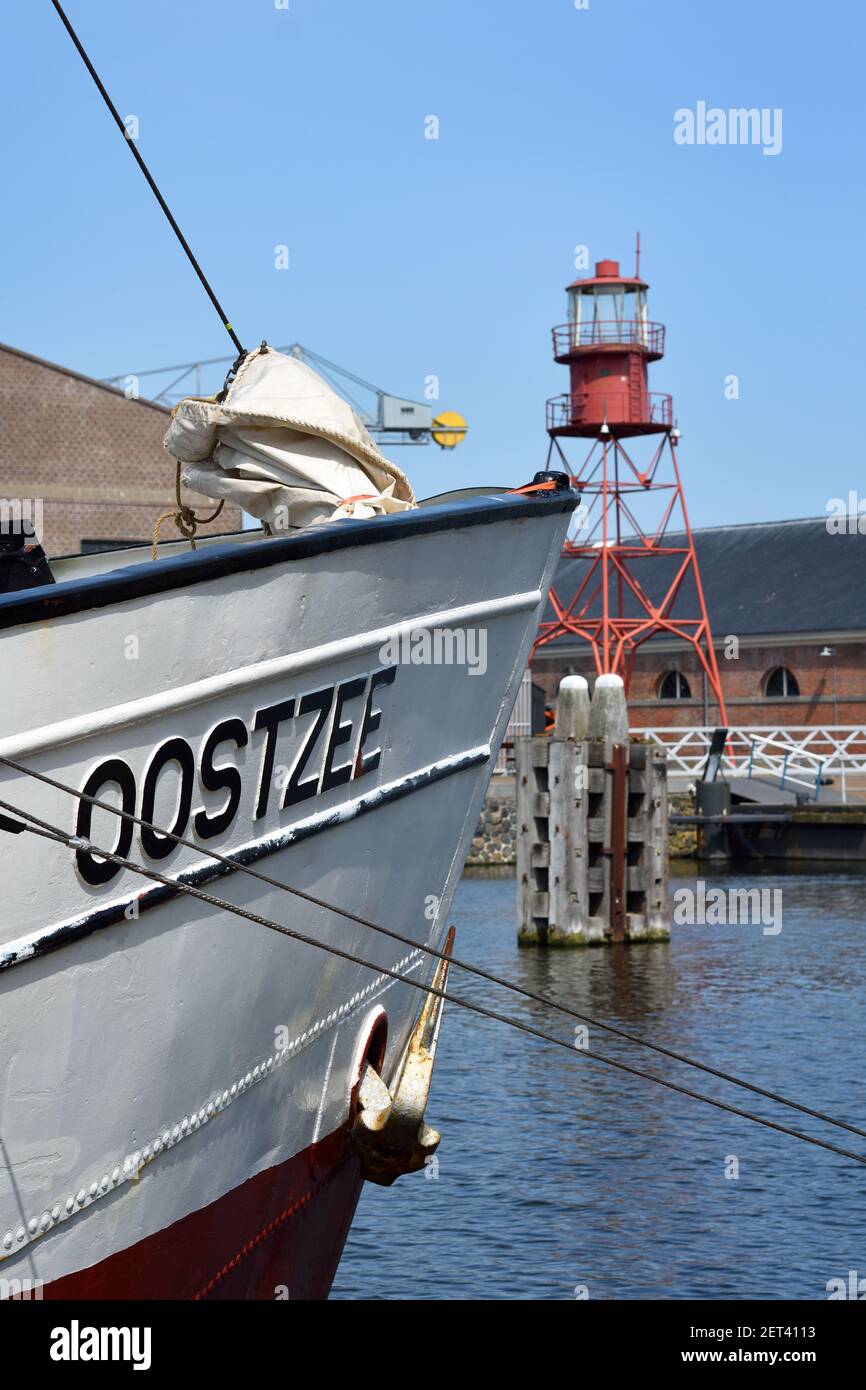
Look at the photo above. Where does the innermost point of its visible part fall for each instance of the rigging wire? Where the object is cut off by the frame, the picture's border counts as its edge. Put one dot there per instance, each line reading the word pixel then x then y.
pixel 150 179
pixel 46 830
pixel 37 826
pixel 476 970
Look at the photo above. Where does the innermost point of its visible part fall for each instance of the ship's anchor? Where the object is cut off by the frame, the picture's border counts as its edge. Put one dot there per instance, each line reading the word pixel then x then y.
pixel 390 1133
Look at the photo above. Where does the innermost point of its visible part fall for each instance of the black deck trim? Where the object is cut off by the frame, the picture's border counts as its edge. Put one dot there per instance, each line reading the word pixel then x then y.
pixel 196 567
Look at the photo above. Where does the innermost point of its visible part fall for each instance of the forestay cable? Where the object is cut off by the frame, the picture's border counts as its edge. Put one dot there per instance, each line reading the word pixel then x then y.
pixel 469 968
pixel 133 149
pixel 37 826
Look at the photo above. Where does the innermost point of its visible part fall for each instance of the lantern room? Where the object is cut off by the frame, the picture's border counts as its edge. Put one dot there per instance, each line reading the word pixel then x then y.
pixel 607 343
pixel 608 310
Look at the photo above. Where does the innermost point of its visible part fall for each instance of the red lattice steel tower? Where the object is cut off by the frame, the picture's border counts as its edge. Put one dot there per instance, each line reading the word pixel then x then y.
pixel 633 509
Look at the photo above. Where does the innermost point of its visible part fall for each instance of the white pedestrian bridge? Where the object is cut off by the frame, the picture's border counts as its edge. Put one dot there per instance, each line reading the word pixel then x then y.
pixel 802 756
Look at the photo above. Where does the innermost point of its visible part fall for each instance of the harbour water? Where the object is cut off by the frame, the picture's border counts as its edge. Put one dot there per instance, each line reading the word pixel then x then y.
pixel 560 1178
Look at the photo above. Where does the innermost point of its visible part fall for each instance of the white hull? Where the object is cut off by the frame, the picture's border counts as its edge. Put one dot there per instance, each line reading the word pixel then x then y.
pixel 152 1066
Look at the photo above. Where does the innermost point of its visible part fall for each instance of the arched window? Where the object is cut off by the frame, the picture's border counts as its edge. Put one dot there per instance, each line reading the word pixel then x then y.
pixel 674 686
pixel 780 684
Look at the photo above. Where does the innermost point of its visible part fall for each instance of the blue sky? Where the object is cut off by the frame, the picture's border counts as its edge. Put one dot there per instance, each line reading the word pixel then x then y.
pixel 411 257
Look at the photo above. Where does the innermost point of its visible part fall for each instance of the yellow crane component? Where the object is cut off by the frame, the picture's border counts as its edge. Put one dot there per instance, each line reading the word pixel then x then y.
pixel 449 429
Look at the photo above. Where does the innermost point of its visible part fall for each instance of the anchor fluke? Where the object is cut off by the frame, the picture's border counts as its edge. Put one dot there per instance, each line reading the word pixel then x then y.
pixel 390 1133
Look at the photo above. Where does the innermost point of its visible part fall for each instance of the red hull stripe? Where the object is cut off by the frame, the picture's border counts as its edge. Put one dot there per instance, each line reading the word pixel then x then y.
pixel 279 1235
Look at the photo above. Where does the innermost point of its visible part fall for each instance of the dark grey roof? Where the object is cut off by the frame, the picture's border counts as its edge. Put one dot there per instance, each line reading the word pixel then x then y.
pixel 764 578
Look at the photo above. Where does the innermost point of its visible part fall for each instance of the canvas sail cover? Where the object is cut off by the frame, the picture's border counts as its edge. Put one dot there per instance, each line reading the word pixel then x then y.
pixel 285 447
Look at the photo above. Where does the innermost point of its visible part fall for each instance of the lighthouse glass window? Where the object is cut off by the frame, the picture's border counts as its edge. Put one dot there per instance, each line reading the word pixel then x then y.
pixel 641 318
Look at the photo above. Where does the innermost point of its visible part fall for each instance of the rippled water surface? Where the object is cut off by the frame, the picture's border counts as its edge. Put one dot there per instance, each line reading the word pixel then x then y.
pixel 555 1171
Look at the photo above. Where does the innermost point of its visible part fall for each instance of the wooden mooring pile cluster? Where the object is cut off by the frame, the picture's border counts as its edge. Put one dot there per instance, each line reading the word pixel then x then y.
pixel 592 826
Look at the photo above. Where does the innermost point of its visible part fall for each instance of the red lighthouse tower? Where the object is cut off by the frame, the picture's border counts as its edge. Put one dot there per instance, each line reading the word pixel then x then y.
pixel 633 507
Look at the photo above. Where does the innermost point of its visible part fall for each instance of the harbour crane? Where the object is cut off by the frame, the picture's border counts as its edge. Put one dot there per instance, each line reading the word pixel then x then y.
pixel 389 419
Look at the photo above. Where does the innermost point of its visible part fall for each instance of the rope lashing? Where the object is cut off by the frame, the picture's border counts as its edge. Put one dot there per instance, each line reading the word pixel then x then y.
pixel 183 517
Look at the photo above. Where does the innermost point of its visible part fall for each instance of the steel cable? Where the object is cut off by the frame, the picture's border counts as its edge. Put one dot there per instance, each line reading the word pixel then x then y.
pixel 44 828
pixel 150 179
pixel 545 1000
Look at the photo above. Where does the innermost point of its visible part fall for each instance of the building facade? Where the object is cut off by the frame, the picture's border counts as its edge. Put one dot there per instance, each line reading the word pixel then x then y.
pixel 86 458
pixel 787 605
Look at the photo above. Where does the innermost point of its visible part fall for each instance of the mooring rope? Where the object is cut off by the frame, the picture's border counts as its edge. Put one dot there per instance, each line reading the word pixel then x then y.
pixel 184 518
pixel 38 826
pixel 404 940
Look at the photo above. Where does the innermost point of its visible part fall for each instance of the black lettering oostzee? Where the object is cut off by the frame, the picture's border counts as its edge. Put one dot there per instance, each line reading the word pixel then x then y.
pixel 315 769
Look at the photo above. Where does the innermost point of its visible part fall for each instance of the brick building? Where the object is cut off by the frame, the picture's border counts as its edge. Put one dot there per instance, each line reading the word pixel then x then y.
pixel 92 457
pixel 787 605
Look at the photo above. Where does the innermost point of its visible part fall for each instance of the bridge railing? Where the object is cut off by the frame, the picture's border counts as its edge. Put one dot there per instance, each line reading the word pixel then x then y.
pixel 519 725
pixel 800 754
